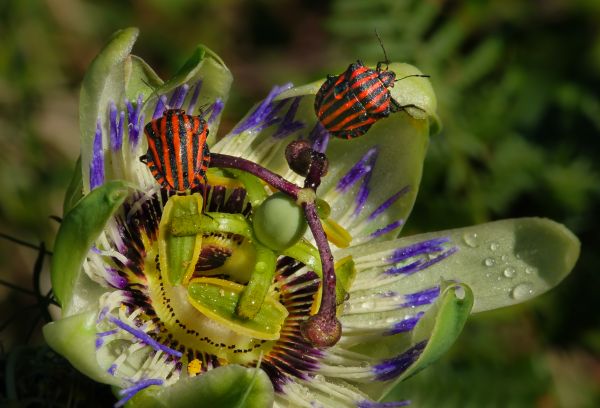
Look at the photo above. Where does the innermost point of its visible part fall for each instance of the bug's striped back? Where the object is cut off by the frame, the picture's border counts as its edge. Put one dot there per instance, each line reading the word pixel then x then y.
pixel 178 155
pixel 348 104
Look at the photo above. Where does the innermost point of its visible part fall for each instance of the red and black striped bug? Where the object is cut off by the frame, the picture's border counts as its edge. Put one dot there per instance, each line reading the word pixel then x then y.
pixel 348 104
pixel 178 155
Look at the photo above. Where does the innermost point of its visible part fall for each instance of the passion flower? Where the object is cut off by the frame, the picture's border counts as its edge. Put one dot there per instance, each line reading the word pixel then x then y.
pixel 178 302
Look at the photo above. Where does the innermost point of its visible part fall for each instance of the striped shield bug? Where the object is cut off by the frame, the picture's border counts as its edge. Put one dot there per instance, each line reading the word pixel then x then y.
pixel 178 155
pixel 348 104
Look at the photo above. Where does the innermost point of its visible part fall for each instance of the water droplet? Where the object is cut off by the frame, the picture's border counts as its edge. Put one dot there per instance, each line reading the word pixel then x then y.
pixel 222 292
pixel 504 258
pixel 368 305
pixel 510 271
pixel 529 270
pixel 471 239
pixel 518 256
pixel 522 291
pixel 489 262
pixel 494 246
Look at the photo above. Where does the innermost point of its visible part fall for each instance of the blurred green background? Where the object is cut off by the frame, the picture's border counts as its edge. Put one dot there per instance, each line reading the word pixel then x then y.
pixel 518 85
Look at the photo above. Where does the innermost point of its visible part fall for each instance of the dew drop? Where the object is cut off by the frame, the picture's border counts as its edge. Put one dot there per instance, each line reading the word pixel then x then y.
pixel 509 272
pixel 494 246
pixel 368 305
pixel 504 258
pixel 528 270
pixel 471 239
pixel 489 262
pixel 522 291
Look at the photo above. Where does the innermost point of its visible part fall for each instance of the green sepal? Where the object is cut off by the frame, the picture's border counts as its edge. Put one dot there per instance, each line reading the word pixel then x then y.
pixel 218 298
pixel 104 81
pixel 80 227
pixel 74 337
pixel 75 188
pixel 440 326
pixel 206 66
pixel 141 79
pixel 179 254
pixel 232 386
pixel 413 90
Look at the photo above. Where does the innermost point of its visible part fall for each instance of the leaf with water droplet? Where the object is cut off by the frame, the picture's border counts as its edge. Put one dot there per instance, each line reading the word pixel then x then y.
pixel 546 249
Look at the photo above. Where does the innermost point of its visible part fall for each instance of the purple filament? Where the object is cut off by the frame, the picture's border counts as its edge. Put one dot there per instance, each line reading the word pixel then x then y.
pixel 420 264
pixel 264 113
pixel 115 127
pixel 288 125
pixel 216 109
pixel 424 297
pixel 393 367
pixel 420 248
pixel 390 227
pixel 373 404
pixel 145 338
pixel 319 136
pixel 194 98
pixel 161 105
pixel 405 325
pixel 97 163
pixel 128 393
pixel 135 120
pixel 179 94
pixel 358 171
pixel 387 203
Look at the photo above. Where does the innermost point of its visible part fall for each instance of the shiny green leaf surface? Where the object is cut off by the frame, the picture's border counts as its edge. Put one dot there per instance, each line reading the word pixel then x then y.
pixel 78 231
pixel 232 386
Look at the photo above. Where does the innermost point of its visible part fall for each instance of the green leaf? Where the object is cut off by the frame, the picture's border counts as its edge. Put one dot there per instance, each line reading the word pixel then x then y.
pixel 232 386
pixel 141 79
pixel 206 66
pixel 413 92
pixel 504 262
pixel 440 326
pixel 79 229
pixel 75 188
pixel 104 81
pixel 74 337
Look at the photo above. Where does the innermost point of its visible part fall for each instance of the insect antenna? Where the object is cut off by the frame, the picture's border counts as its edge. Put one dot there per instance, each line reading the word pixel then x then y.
pixel 387 60
pixel 414 75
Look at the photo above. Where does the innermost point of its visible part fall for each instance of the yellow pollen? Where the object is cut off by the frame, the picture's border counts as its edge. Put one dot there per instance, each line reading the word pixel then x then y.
pixel 194 367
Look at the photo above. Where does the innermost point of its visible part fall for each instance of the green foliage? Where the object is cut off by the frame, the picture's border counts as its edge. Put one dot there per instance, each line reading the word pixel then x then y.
pixel 501 79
